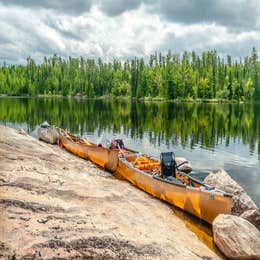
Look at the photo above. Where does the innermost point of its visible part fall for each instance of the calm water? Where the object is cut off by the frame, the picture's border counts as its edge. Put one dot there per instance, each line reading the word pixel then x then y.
pixel 211 136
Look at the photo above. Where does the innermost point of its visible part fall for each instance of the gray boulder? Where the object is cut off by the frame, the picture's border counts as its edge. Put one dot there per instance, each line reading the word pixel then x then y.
pixel 253 216
pixel 241 201
pixel 236 237
pixel 223 181
pixel 186 167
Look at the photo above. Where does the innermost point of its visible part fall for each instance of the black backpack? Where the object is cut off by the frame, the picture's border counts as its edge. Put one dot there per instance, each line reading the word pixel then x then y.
pixel 168 164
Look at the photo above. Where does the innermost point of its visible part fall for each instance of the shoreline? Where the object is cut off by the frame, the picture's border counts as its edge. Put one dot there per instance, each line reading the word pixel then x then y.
pixel 58 205
pixel 142 99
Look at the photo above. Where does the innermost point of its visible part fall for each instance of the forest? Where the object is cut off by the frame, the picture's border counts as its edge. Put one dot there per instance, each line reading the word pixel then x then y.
pixel 170 76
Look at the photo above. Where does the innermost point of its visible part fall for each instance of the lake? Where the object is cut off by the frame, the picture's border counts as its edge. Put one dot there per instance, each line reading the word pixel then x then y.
pixel 210 136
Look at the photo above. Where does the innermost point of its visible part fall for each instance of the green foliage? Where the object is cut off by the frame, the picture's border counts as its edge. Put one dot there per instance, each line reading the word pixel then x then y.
pixel 204 88
pixel 249 89
pixel 172 76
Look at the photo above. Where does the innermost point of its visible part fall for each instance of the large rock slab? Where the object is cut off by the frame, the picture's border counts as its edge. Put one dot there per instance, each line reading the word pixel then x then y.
pixel 236 237
pixel 241 201
pixel 54 205
pixel 253 216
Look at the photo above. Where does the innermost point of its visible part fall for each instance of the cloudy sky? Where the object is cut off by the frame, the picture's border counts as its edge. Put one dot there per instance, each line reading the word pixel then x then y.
pixel 126 28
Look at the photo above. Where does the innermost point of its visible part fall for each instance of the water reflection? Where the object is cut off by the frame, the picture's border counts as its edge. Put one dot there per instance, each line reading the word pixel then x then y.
pixel 211 136
pixel 202 229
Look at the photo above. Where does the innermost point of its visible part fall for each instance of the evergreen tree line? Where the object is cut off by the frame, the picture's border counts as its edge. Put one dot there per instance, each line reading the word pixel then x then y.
pixel 170 76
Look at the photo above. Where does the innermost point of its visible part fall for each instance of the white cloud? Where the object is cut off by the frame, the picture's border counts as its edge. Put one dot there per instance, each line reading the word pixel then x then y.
pixel 135 32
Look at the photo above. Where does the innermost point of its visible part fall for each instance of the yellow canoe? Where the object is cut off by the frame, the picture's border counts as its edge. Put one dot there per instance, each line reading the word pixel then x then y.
pixel 102 156
pixel 184 192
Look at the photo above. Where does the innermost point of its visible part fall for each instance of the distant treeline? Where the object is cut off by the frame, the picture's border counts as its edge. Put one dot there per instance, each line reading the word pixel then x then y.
pixel 173 76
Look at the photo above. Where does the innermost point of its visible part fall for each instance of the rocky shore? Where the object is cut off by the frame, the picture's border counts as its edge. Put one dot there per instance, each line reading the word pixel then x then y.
pixel 55 205
pixel 236 235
